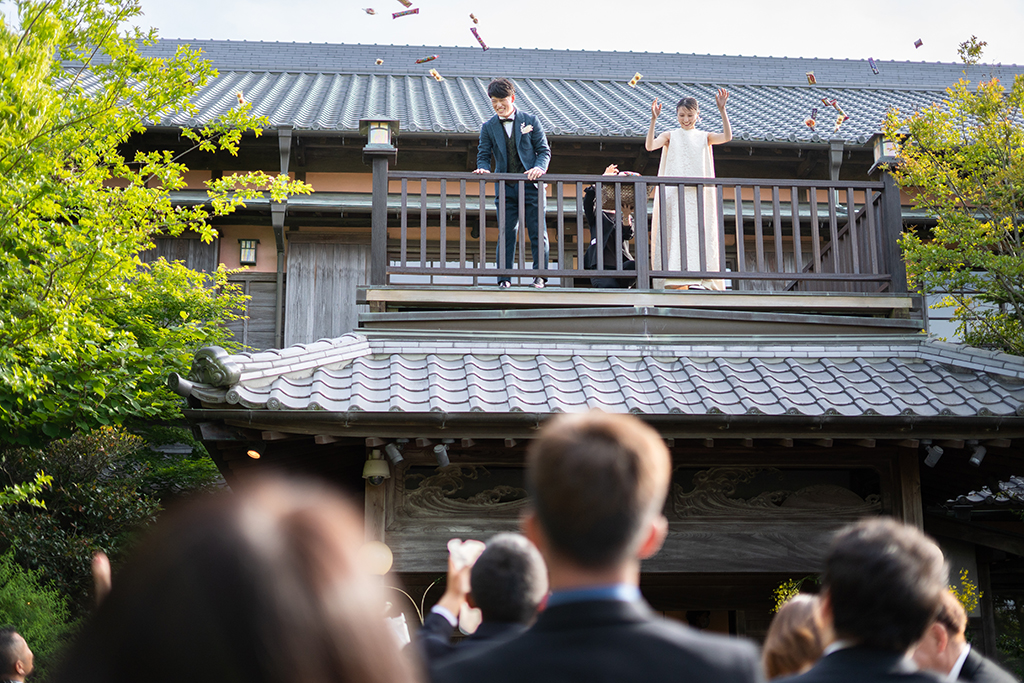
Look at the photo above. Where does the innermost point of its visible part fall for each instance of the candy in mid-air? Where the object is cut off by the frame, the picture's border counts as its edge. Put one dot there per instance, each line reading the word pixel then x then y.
pixel 406 12
pixel 811 80
pixel 636 79
pixel 240 96
pixel 478 38
pixel 427 59
pixel 379 62
pixel 473 17
pixel 871 63
pixel 918 43
pixel 437 77
pixel 406 3
pixel 369 10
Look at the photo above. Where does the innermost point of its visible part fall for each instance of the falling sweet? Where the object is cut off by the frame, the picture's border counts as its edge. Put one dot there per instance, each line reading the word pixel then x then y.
pixel 437 77
pixel 427 59
pixel 871 63
pixel 812 121
pixel 636 79
pixel 369 10
pixel 240 96
pixel 478 38
pixel 918 43
pixel 405 13
pixel 811 80
pixel 406 3
pixel 379 62
pixel 473 17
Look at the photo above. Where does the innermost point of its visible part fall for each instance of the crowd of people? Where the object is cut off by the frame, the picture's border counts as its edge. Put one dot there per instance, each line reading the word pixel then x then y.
pixel 266 584
pixel 513 141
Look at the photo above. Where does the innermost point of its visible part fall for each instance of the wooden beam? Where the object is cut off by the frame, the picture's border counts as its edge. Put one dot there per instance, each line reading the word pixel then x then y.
pixel 374 442
pixel 670 442
pixel 747 443
pixel 866 443
pixel 785 443
pixel 321 439
pixel 375 510
pixel 976 533
pixel 423 442
pixel 998 443
pixel 468 443
pixel 510 443
pixel 824 443
pixel 275 436
pixel 709 443
pixel 908 443
pixel 216 431
pixel 909 505
pixel 951 443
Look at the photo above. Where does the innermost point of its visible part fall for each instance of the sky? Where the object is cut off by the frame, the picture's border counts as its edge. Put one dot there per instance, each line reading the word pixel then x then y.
pixel 883 29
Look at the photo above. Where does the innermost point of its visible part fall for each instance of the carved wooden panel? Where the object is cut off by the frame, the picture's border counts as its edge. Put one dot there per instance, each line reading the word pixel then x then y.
pixel 721 519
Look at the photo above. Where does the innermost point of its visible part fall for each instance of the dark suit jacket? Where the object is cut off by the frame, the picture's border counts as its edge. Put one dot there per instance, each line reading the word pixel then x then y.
pixel 533 145
pixel 603 641
pixel 981 670
pixel 863 665
pixel 608 233
pixel 434 638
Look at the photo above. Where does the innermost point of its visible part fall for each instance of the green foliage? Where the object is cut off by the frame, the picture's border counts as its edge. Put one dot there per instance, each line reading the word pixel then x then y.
pixel 37 610
pixel 967 592
pixel 1009 616
pixel 169 474
pixel 75 213
pixel 94 503
pixel 962 160
pixel 26 492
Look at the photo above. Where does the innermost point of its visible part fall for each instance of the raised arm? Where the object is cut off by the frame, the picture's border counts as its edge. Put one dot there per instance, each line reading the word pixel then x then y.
pixel 718 138
pixel 652 143
pixel 483 152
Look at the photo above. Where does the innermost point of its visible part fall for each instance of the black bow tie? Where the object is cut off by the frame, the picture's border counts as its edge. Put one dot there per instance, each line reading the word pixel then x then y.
pixel 507 120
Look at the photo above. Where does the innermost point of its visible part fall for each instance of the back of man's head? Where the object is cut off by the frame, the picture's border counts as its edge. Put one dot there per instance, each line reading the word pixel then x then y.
pixel 509 580
pixel 953 617
pixel 885 582
pixel 596 481
pixel 10 650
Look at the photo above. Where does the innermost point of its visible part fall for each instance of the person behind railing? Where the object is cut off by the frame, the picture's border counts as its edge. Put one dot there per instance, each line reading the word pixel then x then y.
pixel 610 245
pixel 516 142
pixel 686 152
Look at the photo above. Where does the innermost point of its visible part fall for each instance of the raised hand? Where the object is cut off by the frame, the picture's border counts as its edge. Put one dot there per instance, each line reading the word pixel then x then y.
pixel 655 109
pixel 613 169
pixel 721 98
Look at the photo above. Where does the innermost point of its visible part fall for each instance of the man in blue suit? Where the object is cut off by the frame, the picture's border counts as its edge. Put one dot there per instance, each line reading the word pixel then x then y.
pixel 517 144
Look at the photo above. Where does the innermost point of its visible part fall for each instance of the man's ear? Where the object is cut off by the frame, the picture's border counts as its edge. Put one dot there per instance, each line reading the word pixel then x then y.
pixel 19 668
pixel 825 607
pixel 531 529
pixel 656 533
pixel 941 636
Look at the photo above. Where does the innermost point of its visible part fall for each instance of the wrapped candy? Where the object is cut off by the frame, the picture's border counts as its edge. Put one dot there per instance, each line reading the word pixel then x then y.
pixel 406 12
pixel 478 38
pixel 811 80
pixel 406 3
pixel 871 63
pixel 379 62
pixel 369 10
pixel 918 43
pixel 464 553
pixel 424 60
pixel 812 121
pixel 636 79
pixel 240 96
pixel 839 121
pixel 473 17
pixel 829 103
pixel 437 77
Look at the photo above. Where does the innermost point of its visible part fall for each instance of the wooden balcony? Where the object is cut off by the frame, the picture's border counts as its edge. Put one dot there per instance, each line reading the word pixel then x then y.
pixel 813 249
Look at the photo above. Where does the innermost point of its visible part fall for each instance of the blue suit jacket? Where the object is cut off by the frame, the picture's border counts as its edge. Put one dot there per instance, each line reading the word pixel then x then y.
pixel 533 146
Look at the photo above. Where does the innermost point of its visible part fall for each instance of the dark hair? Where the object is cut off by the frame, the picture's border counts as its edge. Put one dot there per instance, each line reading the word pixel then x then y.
pixel 688 103
pixel 501 88
pixel 262 585
pixel 795 639
pixel 952 615
pixel 509 580
pixel 885 582
pixel 595 480
pixel 10 650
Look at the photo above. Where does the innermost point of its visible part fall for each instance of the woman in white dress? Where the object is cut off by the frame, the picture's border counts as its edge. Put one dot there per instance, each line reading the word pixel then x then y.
pixel 686 152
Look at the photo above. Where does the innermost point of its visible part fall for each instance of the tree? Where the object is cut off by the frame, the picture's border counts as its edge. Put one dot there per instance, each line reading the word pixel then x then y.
pixel 75 213
pixel 962 160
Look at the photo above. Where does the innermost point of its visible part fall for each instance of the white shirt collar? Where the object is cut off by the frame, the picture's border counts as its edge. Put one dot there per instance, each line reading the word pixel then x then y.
pixel 836 646
pixel 954 673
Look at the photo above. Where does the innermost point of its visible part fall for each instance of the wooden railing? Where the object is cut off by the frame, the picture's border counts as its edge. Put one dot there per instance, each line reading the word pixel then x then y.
pixel 776 235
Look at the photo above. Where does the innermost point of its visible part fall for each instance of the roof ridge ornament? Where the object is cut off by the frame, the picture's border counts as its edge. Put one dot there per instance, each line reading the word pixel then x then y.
pixel 212 366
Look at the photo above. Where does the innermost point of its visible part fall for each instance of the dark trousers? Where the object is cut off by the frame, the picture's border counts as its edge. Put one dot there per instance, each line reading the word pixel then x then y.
pixel 507 254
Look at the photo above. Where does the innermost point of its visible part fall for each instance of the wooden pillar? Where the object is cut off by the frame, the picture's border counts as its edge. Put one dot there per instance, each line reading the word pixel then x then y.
pixel 375 510
pixel 910 507
pixel 988 616
pixel 892 228
pixel 643 258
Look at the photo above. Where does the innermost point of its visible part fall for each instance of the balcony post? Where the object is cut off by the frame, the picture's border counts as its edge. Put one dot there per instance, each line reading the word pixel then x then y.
pixel 892 228
pixel 380 151
pixel 643 251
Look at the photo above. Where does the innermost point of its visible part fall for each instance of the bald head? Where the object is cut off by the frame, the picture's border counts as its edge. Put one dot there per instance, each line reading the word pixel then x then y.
pixel 16 658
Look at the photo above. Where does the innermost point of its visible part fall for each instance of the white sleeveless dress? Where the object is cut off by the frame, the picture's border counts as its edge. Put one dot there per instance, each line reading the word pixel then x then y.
pixel 688 155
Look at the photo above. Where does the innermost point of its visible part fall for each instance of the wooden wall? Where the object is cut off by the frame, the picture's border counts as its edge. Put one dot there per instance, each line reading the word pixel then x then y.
pixel 321 296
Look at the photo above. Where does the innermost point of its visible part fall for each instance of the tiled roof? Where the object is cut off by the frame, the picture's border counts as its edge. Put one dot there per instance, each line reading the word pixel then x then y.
pixel 1010 492
pixel 319 87
pixel 901 376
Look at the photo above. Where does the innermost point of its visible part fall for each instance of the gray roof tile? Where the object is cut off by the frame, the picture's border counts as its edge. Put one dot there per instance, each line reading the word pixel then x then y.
pixel 851 380
pixel 330 87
